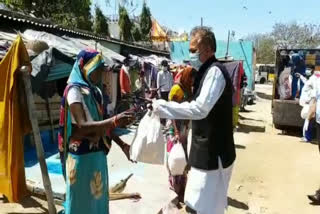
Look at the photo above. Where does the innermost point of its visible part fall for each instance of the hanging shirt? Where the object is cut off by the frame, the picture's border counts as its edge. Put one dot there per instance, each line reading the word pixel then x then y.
pixel 125 82
pixel 164 81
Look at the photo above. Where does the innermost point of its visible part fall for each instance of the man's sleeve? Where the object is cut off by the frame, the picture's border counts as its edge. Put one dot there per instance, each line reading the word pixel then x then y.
pixel 211 90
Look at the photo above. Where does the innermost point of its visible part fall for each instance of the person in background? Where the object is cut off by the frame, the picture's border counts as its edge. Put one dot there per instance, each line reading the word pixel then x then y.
pixel 82 137
pixel 212 153
pixel 314 112
pixel 164 80
pixel 180 92
pixel 299 67
pixel 306 96
pixel 244 97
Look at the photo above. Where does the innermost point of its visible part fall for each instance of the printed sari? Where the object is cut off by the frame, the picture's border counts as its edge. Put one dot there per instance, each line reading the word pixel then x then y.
pixel 84 163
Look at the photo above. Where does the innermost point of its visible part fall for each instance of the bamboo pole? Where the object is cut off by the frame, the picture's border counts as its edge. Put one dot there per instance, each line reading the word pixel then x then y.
pixel 37 138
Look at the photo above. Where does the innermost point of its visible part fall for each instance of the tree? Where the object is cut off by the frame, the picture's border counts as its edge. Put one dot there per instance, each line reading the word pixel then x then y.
pixel 265 47
pixel 145 22
pixel 293 35
pixel 125 24
pixel 285 35
pixel 136 33
pixel 101 22
pixel 73 13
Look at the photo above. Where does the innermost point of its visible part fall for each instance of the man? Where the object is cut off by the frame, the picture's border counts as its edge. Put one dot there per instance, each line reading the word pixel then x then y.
pixel 212 151
pixel 164 81
pixel 304 101
pixel 315 112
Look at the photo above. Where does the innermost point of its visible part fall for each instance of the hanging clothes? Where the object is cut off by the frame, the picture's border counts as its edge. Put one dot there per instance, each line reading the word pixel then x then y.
pixel 151 73
pixel 235 70
pixel 125 82
pixel 14 123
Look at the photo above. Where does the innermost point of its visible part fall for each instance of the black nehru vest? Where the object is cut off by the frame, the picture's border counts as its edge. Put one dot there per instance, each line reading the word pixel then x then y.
pixel 212 137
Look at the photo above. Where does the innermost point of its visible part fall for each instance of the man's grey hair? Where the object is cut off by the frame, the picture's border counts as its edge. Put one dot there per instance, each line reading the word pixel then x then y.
pixel 206 36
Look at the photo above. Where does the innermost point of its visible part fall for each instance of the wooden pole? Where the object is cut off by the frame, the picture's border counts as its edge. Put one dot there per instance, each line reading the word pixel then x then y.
pixel 37 138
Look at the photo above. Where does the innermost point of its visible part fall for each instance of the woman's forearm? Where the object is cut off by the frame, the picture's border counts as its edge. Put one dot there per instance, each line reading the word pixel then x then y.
pixel 92 128
pixel 117 140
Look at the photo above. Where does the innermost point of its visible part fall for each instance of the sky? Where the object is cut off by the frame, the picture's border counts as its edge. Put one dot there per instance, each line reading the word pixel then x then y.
pixel 244 17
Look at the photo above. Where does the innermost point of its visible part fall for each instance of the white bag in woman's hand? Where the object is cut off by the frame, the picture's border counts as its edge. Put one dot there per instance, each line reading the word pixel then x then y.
pixel 177 160
pixel 148 144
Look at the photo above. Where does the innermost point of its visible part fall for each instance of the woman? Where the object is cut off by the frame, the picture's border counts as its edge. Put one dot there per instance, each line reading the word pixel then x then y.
pixel 84 130
pixel 180 92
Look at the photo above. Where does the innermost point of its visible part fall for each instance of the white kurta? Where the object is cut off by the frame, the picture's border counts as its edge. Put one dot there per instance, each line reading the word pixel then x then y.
pixel 206 190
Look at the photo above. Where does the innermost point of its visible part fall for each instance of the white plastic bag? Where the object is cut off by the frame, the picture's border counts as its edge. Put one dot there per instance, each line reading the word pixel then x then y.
pixel 148 144
pixel 177 160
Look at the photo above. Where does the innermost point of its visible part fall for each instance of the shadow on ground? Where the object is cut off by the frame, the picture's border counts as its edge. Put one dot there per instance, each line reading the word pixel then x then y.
pixel 28 202
pixel 250 128
pixel 237 204
pixel 264 96
pixel 250 119
pixel 240 146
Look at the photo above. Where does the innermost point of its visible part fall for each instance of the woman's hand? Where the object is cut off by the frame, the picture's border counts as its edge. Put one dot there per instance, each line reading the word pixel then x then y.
pixel 126 150
pixel 124 119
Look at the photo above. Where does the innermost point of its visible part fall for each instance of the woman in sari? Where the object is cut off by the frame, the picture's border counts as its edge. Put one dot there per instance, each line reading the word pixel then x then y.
pixel 180 92
pixel 83 139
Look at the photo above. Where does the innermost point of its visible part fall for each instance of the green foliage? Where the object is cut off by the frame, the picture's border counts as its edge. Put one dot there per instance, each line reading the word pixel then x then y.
pixel 73 13
pixel 100 22
pixel 136 33
pixel 125 24
pixel 145 22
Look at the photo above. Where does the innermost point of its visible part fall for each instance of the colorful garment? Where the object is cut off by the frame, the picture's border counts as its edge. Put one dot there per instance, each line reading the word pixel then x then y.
pixel 85 162
pixel 125 82
pixel 14 123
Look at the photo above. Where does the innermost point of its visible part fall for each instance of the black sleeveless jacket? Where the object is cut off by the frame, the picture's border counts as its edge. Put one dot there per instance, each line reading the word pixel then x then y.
pixel 212 137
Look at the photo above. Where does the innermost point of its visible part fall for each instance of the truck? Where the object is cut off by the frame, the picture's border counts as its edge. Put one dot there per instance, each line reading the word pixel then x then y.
pixel 286 113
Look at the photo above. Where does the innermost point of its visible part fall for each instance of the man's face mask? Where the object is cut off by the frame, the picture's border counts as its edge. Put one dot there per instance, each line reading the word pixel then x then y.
pixel 165 68
pixel 308 72
pixel 195 60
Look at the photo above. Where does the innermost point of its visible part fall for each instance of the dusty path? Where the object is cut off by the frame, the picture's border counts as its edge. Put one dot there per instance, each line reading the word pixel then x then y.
pixel 273 172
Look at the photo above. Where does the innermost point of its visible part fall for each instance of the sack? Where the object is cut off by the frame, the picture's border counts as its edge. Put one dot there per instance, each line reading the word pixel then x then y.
pixel 148 144
pixel 285 81
pixel 177 160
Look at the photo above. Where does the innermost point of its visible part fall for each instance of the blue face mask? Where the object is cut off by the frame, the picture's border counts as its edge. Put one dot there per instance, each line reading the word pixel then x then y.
pixel 195 61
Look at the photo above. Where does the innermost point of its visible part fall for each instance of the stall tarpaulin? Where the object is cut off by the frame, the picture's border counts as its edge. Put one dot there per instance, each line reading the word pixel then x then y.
pixel 72 46
pixel 14 123
pixel 238 50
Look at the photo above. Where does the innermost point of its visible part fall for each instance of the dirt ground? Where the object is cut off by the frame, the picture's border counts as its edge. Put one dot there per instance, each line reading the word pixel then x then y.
pixel 273 172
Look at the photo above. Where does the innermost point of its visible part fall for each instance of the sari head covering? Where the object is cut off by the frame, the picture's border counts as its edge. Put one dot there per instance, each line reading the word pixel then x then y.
pixel 182 90
pixel 87 62
pixel 186 79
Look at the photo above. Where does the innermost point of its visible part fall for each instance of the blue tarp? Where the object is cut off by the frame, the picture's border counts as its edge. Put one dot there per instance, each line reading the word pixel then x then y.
pixel 180 52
